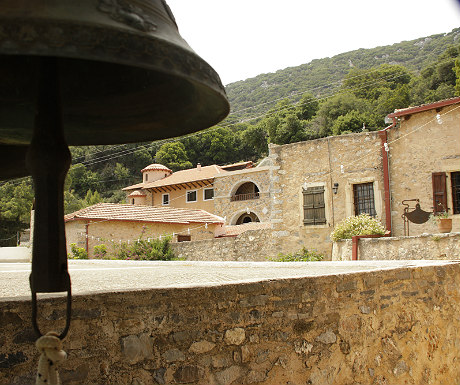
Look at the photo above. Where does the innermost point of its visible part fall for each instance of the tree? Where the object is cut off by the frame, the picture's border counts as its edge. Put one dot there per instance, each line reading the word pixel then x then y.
pixel 174 156
pixel 457 72
pixel 92 198
pixel 307 107
pixel 16 201
pixel 336 106
pixel 287 129
pixel 353 121
pixel 369 83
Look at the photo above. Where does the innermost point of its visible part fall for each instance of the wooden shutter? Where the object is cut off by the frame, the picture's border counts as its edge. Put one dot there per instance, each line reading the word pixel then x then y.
pixel 313 206
pixel 439 192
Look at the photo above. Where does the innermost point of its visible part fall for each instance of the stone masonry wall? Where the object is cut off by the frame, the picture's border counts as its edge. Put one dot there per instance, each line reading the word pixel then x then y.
pixel 391 327
pixel 319 162
pixel 226 185
pixel 429 246
pixel 111 233
pixel 253 245
pixel 420 146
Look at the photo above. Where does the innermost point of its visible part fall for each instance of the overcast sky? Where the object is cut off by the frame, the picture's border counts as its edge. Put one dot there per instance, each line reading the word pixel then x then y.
pixel 244 38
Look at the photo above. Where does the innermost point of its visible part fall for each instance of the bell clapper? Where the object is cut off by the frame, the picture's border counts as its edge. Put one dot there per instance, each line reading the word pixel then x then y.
pixel 48 160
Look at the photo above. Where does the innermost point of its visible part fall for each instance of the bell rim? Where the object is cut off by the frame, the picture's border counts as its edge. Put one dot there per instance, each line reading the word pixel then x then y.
pixel 77 41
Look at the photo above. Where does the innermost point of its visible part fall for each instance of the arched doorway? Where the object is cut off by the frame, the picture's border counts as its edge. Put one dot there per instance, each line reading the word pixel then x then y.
pixel 247 218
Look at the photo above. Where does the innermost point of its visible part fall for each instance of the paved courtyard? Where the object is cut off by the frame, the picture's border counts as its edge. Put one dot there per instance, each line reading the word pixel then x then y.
pixel 96 276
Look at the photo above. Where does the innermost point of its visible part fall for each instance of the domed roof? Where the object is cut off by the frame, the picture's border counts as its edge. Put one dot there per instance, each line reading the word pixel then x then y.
pixel 137 193
pixel 156 167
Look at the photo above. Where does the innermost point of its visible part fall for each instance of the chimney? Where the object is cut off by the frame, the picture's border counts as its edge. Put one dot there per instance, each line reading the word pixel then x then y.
pixel 198 166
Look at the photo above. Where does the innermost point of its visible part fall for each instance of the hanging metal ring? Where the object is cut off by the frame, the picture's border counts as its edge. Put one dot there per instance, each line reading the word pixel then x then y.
pixel 68 314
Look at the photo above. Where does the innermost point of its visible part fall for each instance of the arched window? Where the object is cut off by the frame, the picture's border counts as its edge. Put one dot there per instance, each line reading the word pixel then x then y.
pixel 245 192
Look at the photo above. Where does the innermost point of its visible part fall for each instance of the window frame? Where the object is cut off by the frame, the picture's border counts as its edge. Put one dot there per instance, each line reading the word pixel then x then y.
pixel 371 198
pixel 187 200
pixel 204 194
pixel 163 199
pixel 455 191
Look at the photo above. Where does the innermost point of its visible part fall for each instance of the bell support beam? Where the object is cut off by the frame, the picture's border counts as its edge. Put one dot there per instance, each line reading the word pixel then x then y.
pixel 48 160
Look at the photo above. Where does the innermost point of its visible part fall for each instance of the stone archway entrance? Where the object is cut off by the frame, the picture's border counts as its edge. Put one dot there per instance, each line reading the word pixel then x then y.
pixel 247 218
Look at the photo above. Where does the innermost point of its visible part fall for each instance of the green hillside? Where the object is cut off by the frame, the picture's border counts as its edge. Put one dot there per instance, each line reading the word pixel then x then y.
pixel 321 77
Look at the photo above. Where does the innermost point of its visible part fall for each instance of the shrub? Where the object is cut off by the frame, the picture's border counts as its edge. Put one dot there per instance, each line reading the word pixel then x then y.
pixel 303 255
pixel 78 252
pixel 100 251
pixel 154 250
pixel 362 224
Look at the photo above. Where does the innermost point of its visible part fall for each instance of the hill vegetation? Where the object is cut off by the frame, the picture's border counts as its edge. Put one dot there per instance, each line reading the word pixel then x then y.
pixel 349 92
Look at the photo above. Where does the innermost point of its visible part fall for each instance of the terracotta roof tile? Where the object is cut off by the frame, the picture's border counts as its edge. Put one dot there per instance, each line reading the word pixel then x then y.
pixel 424 107
pixel 137 193
pixel 183 176
pixel 124 212
pixel 233 231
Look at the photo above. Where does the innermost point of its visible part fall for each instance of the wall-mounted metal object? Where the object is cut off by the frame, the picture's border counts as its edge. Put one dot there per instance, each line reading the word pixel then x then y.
pixel 335 188
pixel 90 72
pixel 415 215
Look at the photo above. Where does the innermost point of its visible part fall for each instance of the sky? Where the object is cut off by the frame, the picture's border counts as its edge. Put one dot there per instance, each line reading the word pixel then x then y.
pixel 241 39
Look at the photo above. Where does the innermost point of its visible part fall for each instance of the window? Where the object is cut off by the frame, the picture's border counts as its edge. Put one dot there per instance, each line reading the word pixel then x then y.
pixel 191 196
pixel 313 206
pixel 455 177
pixel 146 177
pixel 165 199
pixel 132 201
pixel 184 238
pixel 208 194
pixel 439 192
pixel 363 199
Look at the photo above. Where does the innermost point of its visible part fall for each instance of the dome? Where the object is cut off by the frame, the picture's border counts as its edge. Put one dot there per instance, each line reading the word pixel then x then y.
pixel 156 167
pixel 137 193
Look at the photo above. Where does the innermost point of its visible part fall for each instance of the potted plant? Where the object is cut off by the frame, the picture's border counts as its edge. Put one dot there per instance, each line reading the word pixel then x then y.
pixel 443 221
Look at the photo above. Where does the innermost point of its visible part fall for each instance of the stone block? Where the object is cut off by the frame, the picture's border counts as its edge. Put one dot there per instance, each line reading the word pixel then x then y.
pixel 235 336
pixel 229 375
pixel 328 337
pixel 201 347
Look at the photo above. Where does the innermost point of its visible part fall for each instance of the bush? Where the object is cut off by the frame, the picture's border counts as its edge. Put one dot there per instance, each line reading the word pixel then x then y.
pixel 300 256
pixel 154 250
pixel 78 252
pixel 100 251
pixel 362 224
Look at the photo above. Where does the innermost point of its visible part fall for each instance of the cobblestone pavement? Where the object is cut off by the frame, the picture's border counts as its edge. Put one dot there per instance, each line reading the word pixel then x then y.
pixel 95 276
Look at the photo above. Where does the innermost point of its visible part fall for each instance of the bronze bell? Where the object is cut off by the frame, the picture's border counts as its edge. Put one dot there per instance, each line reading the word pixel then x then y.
pixel 125 73
pixel 88 72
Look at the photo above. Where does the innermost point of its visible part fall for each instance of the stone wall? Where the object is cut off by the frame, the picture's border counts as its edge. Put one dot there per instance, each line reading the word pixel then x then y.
pixel 225 186
pixel 112 233
pixel 346 160
pixel 420 146
pixel 428 246
pixel 393 326
pixel 253 245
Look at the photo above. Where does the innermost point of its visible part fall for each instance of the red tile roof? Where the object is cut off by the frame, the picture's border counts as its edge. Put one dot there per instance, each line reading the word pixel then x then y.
pixel 424 107
pixel 137 193
pixel 233 231
pixel 191 175
pixel 123 212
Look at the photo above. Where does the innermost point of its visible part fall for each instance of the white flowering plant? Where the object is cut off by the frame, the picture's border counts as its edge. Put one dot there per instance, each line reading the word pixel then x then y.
pixel 362 224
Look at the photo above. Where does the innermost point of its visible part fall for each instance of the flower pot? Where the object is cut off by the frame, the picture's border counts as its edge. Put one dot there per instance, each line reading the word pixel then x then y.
pixel 445 225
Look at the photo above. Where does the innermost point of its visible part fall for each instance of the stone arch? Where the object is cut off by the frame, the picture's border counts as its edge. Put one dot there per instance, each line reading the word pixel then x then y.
pixel 243 216
pixel 244 182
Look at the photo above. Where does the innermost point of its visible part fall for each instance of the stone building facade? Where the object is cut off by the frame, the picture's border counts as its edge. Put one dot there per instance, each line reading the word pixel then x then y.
pixel 425 146
pixel 254 200
pixel 316 184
